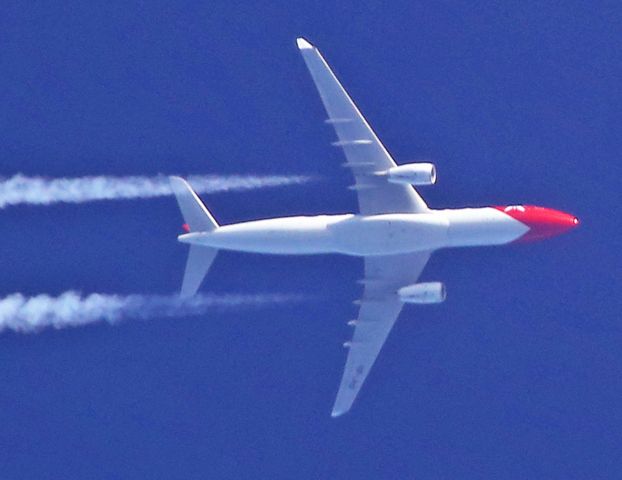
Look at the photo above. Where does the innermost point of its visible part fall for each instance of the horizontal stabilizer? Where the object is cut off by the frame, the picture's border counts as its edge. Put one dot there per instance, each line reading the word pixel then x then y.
pixel 197 219
pixel 196 216
pixel 200 258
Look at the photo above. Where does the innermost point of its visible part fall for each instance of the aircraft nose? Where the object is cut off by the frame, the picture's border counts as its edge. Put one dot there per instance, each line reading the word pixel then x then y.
pixel 546 222
pixel 542 222
pixel 565 220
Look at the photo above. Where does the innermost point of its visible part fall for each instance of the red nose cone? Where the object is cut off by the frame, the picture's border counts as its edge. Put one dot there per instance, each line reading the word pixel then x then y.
pixel 542 222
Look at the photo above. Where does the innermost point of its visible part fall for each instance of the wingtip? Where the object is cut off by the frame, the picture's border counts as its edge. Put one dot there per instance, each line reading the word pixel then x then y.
pixel 336 413
pixel 303 44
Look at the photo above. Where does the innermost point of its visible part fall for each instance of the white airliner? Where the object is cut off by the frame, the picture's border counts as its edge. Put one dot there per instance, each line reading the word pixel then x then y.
pixel 395 232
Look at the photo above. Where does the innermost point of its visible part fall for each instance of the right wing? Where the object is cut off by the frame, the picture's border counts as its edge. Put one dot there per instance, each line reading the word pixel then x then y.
pixel 380 307
pixel 364 152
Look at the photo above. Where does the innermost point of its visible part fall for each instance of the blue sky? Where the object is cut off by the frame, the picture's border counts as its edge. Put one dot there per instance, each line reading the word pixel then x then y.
pixel 517 375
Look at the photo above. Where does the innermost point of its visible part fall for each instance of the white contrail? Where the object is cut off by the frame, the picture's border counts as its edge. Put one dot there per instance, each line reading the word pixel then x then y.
pixel 25 314
pixel 21 189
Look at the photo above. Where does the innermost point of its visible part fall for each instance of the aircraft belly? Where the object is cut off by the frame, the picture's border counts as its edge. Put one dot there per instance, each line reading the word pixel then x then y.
pixel 389 234
pixel 481 226
pixel 363 235
pixel 285 236
pixel 347 234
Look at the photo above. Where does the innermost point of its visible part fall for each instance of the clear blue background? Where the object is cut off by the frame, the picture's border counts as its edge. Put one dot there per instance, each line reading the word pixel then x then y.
pixel 517 375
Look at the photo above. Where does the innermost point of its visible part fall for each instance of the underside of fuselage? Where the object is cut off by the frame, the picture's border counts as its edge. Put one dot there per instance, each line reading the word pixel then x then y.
pixel 395 232
pixel 362 235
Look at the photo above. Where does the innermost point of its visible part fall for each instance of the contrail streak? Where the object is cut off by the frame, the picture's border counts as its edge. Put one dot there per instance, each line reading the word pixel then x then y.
pixel 21 189
pixel 25 314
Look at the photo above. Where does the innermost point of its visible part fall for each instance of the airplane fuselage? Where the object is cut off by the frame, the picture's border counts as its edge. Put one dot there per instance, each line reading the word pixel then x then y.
pixel 387 234
pixel 395 232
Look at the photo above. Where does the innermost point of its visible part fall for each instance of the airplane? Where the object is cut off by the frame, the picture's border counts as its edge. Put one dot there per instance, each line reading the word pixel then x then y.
pixel 395 232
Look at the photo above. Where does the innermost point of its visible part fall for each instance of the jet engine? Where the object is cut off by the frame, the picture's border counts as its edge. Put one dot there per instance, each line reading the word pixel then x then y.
pixel 428 292
pixel 413 174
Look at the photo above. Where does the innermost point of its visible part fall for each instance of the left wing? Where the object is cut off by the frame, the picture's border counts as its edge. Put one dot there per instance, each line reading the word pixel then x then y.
pixel 365 153
pixel 380 307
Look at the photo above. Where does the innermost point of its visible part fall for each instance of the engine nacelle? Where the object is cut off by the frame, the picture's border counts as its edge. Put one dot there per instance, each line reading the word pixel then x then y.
pixel 428 292
pixel 413 174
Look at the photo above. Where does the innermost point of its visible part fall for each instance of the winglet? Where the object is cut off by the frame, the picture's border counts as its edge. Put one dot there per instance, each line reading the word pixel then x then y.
pixel 303 44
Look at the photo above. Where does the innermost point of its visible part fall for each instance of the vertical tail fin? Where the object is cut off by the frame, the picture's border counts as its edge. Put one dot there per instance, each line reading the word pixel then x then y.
pixel 197 218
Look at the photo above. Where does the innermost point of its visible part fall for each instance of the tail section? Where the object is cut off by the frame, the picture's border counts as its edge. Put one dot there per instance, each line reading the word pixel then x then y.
pixel 197 218
pixel 198 263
